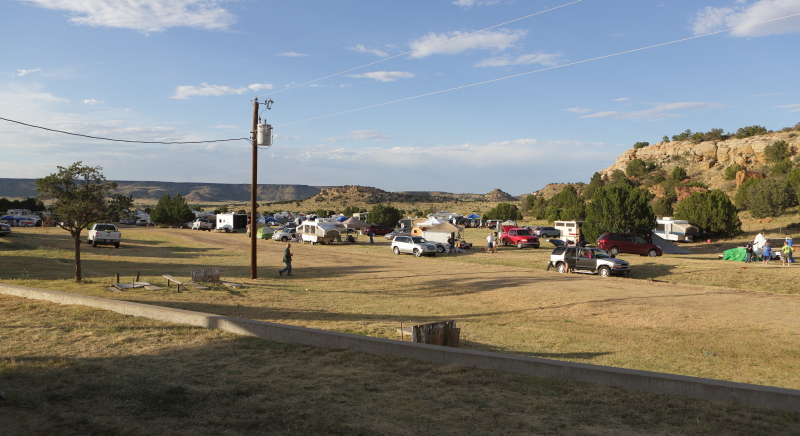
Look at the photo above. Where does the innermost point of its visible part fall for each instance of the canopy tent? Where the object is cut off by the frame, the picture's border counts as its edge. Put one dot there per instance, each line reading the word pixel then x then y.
pixel 445 227
pixel 509 223
pixel 353 223
pixel 758 244
pixel 472 216
pixel 342 218
pixel 7 217
pixel 431 222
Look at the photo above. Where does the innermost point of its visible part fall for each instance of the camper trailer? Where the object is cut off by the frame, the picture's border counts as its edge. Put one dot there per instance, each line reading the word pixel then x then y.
pixel 570 230
pixel 232 221
pixel 438 234
pixel 317 232
pixel 675 230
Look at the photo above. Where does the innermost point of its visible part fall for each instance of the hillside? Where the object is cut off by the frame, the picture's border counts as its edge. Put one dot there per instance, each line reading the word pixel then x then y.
pixel 370 195
pixel 706 162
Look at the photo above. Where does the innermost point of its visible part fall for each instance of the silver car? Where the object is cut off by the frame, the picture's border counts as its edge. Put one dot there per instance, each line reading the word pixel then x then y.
pixel 284 234
pixel 416 245
pixel 587 260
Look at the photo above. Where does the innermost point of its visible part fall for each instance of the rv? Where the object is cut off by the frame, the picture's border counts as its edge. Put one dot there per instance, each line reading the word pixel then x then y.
pixel 570 230
pixel 675 230
pixel 317 232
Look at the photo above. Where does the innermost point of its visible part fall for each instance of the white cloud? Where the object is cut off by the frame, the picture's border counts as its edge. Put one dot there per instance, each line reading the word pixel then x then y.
pixel 712 18
pixel 361 135
pixel 143 15
pixel 434 43
pixel 657 112
pixel 384 76
pixel 92 102
pixel 204 90
pixel 362 49
pixel 21 73
pixel 622 99
pixel 578 110
pixel 545 59
pixel 791 107
pixel 471 3
pixel 292 54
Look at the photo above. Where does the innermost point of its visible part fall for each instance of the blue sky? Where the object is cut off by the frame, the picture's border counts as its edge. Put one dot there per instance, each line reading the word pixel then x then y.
pixel 358 86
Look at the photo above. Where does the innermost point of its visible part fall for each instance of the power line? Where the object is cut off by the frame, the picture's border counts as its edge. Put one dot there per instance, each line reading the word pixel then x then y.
pixel 119 140
pixel 538 71
pixel 427 46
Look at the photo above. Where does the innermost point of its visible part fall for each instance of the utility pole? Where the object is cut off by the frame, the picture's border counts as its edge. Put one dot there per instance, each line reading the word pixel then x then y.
pixel 262 135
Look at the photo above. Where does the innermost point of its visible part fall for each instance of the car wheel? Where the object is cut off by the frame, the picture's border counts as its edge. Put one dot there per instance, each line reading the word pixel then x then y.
pixel 116 245
pixel 396 250
pixel 439 249
pixel 519 245
pixel 561 267
pixel 505 243
pixel 652 253
pixel 94 244
pixel 284 239
pixel 604 271
pixel 613 251
pixel 417 252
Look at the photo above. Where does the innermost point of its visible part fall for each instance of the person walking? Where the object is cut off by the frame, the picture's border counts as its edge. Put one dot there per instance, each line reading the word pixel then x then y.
pixel 786 253
pixel 287 259
pixel 489 243
pixel 748 247
pixel 451 243
pixel 371 232
pixel 767 253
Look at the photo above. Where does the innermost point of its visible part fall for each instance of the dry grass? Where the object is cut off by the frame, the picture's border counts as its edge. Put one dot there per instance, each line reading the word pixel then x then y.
pixel 504 302
pixel 73 370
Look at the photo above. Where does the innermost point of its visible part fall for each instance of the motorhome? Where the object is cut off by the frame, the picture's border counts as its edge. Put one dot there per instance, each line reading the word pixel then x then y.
pixel 570 230
pixel 676 230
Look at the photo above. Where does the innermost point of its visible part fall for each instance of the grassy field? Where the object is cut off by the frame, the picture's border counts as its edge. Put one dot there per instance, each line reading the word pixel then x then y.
pixel 72 370
pixel 692 315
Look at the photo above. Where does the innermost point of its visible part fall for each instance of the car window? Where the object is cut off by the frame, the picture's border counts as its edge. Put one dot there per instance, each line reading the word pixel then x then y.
pixel 639 240
pixel 570 252
pixel 600 254
pixel 418 240
pixel 523 233
pixel 558 251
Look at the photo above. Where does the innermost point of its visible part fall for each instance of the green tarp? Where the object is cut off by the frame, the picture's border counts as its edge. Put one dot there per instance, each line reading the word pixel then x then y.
pixel 738 254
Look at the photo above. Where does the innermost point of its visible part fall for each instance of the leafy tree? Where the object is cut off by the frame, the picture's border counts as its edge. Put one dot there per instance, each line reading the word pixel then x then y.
pixel 781 167
pixel 539 209
pixel 793 179
pixel 745 132
pixel 769 198
pixel 663 207
pixel 81 198
pixel 678 174
pixel 617 174
pixel 641 144
pixel 566 205
pixel 697 137
pixel 171 211
pixel 503 212
pixel 683 136
pixel 665 138
pixel 777 151
pixel 742 197
pixel 712 211
pixel 596 182
pixel 33 204
pixel 730 172
pixel 528 202
pixel 350 210
pixel 618 210
pixel 636 168
pixel 715 135
pixel 119 205
pixel 385 215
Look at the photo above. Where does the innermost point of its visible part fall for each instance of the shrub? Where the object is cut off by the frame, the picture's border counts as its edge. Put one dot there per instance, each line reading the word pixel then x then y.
pixel 641 144
pixel 697 137
pixel 769 198
pixel 665 138
pixel 172 211
pixel 745 132
pixel 683 136
pixel 636 168
pixel 781 167
pixel 730 172
pixel 777 151
pixel 793 179
pixel 712 211
pixel 384 215
pixel 678 174
pixel 503 212
pixel 619 210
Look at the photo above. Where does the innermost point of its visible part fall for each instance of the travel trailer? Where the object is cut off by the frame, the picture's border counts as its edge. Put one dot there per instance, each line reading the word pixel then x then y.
pixel 676 230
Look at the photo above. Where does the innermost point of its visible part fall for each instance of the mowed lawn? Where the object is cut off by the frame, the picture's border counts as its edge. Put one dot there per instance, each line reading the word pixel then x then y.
pixel 73 370
pixel 691 315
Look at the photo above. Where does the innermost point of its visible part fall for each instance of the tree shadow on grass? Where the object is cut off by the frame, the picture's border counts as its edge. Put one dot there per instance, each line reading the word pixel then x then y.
pixel 587 355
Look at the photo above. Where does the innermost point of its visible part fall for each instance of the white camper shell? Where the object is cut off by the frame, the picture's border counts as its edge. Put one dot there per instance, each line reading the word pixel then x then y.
pixel 570 230
pixel 676 230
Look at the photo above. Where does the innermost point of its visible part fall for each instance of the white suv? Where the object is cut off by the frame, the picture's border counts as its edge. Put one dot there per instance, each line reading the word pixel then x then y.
pixel 415 245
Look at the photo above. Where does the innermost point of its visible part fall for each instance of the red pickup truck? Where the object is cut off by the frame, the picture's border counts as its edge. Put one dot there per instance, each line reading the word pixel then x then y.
pixel 518 236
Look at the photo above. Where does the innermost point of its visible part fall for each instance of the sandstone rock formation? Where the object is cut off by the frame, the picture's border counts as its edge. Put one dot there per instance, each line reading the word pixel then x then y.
pixel 499 195
pixel 744 175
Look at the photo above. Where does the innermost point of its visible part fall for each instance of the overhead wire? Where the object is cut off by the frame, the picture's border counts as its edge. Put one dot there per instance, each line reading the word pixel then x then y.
pixel 539 70
pixel 424 48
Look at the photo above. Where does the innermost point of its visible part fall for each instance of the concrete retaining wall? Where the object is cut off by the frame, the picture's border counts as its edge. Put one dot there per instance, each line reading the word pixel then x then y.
pixel 787 399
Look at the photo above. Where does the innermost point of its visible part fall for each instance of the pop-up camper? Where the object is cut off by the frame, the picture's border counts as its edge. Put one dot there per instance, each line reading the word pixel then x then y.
pixel 676 230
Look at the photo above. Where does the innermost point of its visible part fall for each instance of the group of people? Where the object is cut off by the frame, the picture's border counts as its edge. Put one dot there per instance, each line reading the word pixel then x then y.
pixel 786 252
pixel 491 242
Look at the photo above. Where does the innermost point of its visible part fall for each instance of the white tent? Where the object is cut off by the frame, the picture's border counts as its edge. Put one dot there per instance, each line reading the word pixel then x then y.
pixel 758 244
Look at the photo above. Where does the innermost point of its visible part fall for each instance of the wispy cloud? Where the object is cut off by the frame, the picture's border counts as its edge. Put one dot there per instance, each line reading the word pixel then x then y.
pixel 711 18
pixel 471 3
pixel 657 112
pixel 545 59
pixel 384 76
pixel 292 54
pixel 361 135
pixel 435 43
pixel 92 102
pixel 362 49
pixel 622 99
pixel 146 16
pixel 205 90
pixel 21 73
pixel 579 110
pixel 791 107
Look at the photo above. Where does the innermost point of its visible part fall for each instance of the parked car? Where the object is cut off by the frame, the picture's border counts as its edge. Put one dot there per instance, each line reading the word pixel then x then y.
pixel 284 234
pixel 5 229
pixel 547 232
pixel 492 224
pixel 203 225
pixel 521 237
pixel 616 243
pixel 104 233
pixel 141 222
pixel 586 260
pixel 378 230
pixel 397 232
pixel 416 245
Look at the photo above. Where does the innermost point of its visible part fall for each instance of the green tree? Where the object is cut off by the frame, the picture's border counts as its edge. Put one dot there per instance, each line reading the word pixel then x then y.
pixel 384 215
pixel 539 209
pixel 745 132
pixel 119 206
pixel 742 197
pixel 683 136
pixel 641 144
pixel 769 198
pixel 171 211
pixel 781 167
pixel 777 151
pixel 566 205
pixel 730 172
pixel 619 210
pixel 663 207
pixel 678 174
pixel 503 212
pixel 712 211
pixel 596 182
pixel 350 210
pixel 665 138
pixel 81 197
pixel 793 179
pixel 636 168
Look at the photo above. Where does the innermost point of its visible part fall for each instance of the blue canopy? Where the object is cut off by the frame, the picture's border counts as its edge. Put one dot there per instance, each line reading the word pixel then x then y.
pixel 472 216
pixel 7 217
pixel 342 219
